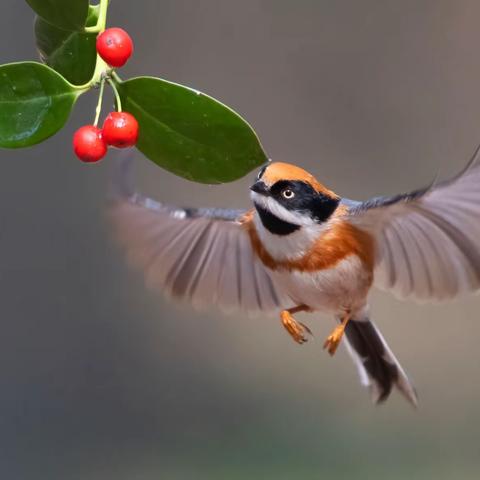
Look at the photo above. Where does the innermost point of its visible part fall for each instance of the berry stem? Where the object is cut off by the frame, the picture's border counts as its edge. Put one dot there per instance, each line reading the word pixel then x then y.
pixel 102 18
pixel 116 77
pixel 101 68
pixel 117 96
pixel 99 103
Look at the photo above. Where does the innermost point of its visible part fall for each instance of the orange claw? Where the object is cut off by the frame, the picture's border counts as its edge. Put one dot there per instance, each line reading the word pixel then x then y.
pixel 333 340
pixel 296 329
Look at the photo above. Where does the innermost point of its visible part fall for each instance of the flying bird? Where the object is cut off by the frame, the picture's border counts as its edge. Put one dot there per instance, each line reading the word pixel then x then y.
pixel 303 248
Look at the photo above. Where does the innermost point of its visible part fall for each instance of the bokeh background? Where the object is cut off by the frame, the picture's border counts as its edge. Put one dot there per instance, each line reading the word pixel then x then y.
pixel 100 379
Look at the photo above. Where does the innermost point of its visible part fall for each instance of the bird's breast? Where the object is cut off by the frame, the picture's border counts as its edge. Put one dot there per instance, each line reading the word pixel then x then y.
pixel 315 250
pixel 342 287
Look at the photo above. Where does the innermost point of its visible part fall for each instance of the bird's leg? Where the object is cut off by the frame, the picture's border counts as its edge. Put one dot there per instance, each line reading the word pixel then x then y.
pixel 333 340
pixel 295 328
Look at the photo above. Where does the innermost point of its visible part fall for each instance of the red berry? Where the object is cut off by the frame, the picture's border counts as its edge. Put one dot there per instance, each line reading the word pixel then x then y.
pixel 115 46
pixel 120 129
pixel 88 144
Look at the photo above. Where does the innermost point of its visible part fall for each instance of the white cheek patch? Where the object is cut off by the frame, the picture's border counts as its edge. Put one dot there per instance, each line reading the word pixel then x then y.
pixel 272 206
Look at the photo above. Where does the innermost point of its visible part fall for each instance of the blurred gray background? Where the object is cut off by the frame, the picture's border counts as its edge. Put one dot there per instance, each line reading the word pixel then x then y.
pixel 100 379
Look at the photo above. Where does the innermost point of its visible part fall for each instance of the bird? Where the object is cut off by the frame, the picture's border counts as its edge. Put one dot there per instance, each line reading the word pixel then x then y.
pixel 303 248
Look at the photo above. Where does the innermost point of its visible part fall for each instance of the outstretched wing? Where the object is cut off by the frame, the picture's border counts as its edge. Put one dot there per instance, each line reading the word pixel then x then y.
pixel 203 256
pixel 428 241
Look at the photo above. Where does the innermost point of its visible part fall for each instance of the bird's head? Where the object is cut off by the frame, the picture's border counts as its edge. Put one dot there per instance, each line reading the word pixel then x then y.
pixel 287 198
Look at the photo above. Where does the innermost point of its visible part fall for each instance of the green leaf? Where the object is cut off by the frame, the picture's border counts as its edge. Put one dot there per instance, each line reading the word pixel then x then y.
pixel 189 133
pixel 35 102
pixel 66 14
pixel 70 52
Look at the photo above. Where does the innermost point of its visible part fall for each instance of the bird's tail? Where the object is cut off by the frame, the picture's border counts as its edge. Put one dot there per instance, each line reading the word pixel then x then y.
pixel 377 365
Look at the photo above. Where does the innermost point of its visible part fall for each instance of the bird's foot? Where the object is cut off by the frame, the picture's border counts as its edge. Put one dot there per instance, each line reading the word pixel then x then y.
pixel 296 329
pixel 333 340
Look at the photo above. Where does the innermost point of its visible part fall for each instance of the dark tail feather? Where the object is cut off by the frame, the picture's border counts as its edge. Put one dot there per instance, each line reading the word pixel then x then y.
pixel 378 367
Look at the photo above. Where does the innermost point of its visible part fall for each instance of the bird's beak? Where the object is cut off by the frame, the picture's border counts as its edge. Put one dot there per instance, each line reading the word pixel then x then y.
pixel 259 187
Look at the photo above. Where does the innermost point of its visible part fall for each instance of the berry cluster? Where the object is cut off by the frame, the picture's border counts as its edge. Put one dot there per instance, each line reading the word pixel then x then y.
pixel 120 129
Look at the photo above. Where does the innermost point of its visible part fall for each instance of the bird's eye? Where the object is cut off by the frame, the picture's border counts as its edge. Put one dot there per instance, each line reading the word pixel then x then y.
pixel 288 194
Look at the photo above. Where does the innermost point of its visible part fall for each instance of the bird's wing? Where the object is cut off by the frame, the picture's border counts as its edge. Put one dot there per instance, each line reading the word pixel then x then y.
pixel 427 241
pixel 203 256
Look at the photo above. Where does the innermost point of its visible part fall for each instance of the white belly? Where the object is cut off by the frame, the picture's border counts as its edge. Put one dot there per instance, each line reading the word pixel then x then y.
pixel 335 290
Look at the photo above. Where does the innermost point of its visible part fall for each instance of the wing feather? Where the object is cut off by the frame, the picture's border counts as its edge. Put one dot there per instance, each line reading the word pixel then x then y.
pixel 201 256
pixel 428 241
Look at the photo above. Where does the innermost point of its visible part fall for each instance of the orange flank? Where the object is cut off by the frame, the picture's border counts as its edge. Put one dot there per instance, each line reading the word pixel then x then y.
pixel 335 244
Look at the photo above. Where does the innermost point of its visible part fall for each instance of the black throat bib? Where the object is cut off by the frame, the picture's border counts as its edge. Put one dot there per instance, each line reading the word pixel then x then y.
pixel 274 224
